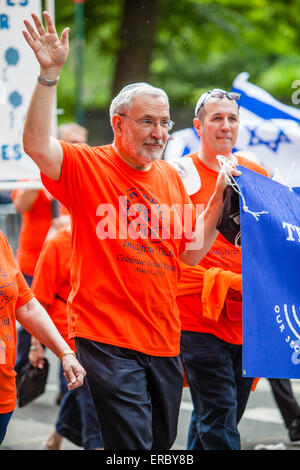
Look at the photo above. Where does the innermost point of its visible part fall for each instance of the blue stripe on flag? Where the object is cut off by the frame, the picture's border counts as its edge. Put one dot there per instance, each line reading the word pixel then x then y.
pixel 262 109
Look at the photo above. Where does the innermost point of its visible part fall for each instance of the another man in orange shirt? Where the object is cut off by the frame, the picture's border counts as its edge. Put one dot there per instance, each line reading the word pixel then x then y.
pixel 211 341
pixel 126 250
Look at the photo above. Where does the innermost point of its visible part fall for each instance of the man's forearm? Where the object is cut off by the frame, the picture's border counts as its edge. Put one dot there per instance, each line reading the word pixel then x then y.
pixel 37 139
pixel 37 322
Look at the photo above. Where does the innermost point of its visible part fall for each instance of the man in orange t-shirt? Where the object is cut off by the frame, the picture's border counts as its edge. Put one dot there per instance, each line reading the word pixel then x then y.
pixel 17 303
pixel 211 344
pixel 132 221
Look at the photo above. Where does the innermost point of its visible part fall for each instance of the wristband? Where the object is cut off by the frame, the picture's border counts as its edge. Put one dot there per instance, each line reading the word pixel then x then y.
pixel 67 351
pixel 46 82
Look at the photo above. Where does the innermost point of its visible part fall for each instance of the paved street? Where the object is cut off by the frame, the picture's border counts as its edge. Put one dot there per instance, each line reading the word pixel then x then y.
pixel 261 424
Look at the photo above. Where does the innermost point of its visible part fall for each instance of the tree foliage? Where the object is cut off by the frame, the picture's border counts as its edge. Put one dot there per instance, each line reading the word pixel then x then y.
pixel 193 45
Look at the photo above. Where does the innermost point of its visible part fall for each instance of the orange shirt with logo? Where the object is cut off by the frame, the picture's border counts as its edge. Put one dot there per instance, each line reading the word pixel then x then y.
pixel 14 293
pixel 125 266
pixel 222 255
pixel 51 282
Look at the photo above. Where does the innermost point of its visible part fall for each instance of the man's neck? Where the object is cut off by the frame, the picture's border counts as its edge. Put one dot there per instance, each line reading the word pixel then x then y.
pixel 210 159
pixel 141 166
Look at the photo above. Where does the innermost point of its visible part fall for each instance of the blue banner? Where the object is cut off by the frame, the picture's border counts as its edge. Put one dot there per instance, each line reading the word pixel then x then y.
pixel 270 235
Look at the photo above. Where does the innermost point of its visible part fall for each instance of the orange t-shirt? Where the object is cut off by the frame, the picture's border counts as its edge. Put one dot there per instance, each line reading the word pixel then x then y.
pixel 36 223
pixel 14 292
pixel 222 255
pixel 51 281
pixel 123 283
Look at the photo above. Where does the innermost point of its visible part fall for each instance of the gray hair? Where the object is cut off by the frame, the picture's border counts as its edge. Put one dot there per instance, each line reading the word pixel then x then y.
pixel 125 97
pixel 63 129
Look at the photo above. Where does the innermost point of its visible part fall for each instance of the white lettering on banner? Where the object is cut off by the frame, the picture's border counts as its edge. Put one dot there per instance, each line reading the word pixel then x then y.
pixel 288 321
pixel 292 231
pixel 18 72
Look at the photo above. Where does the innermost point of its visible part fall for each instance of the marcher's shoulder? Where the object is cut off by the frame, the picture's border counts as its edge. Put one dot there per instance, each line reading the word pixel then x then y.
pixel 60 235
pixel 167 167
pixel 243 161
pixel 84 150
pixel 84 156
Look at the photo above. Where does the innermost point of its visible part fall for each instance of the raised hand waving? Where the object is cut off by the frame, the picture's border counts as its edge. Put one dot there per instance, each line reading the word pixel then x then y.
pixel 50 51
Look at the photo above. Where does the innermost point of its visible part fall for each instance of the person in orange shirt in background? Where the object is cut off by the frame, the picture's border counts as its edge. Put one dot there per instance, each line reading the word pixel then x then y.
pixel 17 303
pixel 35 207
pixel 51 286
pixel 210 295
pixel 41 216
pixel 124 272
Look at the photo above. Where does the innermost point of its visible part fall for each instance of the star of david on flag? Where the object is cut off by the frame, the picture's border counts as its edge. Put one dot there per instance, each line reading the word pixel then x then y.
pixel 269 129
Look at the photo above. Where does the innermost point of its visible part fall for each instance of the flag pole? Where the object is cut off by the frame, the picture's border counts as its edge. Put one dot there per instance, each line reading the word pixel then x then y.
pixel 79 63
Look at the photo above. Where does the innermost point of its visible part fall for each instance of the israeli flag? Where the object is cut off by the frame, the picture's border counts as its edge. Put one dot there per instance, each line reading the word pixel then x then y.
pixel 270 130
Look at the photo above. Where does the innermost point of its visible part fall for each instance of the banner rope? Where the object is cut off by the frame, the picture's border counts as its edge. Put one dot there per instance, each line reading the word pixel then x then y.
pixel 226 167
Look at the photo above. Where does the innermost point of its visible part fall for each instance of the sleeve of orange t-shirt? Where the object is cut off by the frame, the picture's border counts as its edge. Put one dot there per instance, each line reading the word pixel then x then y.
pixel 63 189
pixel 24 292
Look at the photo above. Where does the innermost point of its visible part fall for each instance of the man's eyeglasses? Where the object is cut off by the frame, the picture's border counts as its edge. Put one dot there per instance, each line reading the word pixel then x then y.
pixel 150 123
pixel 231 95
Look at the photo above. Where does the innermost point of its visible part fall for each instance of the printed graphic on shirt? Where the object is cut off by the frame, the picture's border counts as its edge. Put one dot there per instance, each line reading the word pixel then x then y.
pixel 7 293
pixel 146 228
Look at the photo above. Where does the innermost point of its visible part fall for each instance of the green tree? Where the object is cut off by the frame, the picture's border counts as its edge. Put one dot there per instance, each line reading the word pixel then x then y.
pixel 184 46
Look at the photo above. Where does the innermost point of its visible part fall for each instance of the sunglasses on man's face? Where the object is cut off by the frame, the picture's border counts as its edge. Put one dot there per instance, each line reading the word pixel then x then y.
pixel 231 95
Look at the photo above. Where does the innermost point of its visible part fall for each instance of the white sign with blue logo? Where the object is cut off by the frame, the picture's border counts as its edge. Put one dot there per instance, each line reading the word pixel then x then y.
pixel 18 72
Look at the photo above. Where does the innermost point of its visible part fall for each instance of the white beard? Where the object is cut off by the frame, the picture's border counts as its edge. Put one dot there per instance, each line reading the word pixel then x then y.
pixel 144 154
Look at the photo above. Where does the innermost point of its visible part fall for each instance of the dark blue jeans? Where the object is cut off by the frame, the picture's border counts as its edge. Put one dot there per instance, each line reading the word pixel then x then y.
pixel 78 420
pixel 137 396
pixel 4 420
pixel 218 389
